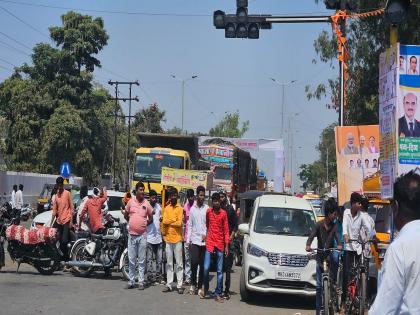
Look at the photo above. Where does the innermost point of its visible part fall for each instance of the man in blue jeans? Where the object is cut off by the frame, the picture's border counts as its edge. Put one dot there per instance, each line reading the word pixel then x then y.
pixel 217 244
pixel 139 214
pixel 326 232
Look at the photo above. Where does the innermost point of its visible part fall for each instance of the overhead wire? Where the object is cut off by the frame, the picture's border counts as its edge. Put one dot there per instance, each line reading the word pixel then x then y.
pixel 15 40
pixel 14 48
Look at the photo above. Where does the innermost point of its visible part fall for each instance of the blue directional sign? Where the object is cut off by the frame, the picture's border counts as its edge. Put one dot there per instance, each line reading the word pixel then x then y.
pixel 65 169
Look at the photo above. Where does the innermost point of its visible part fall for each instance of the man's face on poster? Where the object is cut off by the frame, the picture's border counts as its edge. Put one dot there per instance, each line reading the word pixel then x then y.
pixel 401 61
pixel 413 63
pixel 362 141
pixel 410 105
pixel 372 141
pixel 350 139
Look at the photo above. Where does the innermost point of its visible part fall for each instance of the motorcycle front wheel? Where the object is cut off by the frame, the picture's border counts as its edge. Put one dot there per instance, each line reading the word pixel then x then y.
pixel 78 253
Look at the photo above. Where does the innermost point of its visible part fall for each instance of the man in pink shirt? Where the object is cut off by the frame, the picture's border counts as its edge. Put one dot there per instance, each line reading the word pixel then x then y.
pixel 186 218
pixel 139 214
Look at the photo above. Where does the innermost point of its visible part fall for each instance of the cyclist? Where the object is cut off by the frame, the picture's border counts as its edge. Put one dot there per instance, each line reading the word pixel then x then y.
pixel 325 232
pixel 353 221
pixel 399 285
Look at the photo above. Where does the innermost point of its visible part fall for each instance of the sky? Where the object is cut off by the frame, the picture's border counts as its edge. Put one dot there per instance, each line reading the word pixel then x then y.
pixel 233 74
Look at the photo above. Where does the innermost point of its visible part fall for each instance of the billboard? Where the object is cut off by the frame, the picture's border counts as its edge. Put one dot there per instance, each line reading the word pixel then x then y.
pixel 357 151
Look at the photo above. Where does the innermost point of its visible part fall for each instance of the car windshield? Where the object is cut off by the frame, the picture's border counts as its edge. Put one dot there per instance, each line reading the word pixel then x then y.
pixel 149 165
pixel 283 221
pixel 316 203
pixel 222 173
pixel 115 203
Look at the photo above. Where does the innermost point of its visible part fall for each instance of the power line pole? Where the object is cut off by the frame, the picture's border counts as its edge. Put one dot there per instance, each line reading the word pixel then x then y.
pixel 129 99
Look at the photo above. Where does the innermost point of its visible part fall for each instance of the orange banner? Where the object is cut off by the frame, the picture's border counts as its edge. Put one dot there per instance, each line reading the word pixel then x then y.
pixel 357 151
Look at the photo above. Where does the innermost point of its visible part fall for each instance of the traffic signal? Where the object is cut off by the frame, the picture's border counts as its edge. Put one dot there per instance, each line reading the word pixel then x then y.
pixel 349 5
pixel 396 11
pixel 241 24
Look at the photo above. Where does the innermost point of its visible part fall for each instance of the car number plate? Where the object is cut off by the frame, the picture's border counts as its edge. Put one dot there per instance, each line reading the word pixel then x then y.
pixel 287 275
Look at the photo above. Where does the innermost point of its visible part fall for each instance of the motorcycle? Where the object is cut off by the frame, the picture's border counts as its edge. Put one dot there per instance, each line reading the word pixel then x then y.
pixel 100 251
pixel 38 248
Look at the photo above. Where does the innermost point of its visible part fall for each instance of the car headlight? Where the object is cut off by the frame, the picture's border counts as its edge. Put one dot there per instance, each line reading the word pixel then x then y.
pixel 256 251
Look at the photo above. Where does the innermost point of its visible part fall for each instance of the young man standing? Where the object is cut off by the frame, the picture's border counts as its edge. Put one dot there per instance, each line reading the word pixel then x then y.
pixel 154 242
pixel 13 197
pixel 353 221
pixel 196 239
pixel 326 232
pixel 399 285
pixel 233 227
pixel 172 234
pixel 139 214
pixel 62 214
pixel 185 218
pixel 19 201
pixel 217 243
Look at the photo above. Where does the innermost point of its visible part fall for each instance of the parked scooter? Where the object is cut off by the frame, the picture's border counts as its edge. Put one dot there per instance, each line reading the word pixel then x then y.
pixel 100 251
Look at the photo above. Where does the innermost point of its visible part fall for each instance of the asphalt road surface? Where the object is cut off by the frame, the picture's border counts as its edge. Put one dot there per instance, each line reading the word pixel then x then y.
pixel 28 292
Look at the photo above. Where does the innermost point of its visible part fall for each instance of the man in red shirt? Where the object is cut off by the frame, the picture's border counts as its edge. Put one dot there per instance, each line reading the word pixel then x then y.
pixel 217 243
pixel 93 207
pixel 139 214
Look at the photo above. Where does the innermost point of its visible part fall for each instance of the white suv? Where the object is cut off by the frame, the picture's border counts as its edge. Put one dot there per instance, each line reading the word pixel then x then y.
pixel 275 260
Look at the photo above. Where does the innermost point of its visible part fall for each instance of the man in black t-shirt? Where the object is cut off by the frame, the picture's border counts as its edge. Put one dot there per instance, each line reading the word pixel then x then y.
pixel 326 232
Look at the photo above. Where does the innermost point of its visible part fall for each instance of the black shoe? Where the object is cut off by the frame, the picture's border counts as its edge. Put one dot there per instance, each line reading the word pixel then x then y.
pixel 166 289
pixel 130 286
pixel 187 282
pixel 226 296
pixel 181 291
pixel 141 287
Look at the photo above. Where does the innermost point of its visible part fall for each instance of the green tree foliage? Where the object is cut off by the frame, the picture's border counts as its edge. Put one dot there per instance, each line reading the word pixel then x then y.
pixel 229 127
pixel 53 110
pixel 149 119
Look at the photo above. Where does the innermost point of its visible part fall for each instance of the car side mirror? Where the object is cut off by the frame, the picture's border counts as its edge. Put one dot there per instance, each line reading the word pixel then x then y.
pixel 243 228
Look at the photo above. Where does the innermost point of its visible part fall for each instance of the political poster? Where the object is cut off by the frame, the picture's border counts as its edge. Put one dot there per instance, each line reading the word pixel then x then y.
pixel 357 152
pixel 408 114
pixel 388 80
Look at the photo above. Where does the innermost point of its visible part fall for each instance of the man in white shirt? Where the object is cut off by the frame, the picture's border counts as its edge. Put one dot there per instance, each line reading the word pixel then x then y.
pixel 13 197
pixel 196 239
pixel 19 200
pixel 399 284
pixel 353 221
pixel 154 243
pixel 364 233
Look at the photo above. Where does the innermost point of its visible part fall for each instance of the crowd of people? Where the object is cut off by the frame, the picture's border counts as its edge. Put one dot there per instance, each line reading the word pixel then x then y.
pixel 193 236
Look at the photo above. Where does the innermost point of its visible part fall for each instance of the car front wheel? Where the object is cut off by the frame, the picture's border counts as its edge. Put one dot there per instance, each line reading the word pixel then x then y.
pixel 246 295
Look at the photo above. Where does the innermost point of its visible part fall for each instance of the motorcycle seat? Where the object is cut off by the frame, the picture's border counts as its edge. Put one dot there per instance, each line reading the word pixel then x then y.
pixel 31 237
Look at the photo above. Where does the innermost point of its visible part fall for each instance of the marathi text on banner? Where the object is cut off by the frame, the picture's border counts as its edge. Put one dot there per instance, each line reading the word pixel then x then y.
pixel 186 178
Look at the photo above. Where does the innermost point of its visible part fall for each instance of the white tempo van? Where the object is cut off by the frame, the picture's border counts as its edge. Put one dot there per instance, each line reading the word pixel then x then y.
pixel 274 256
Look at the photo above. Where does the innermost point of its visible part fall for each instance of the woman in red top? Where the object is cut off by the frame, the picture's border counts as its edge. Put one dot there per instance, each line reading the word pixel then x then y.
pixel 62 215
pixel 217 243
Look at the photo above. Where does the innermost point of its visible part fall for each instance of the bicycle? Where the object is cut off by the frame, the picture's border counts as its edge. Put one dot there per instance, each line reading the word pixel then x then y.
pixel 355 299
pixel 329 285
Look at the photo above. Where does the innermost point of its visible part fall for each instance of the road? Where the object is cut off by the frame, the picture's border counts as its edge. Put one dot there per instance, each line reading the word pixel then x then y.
pixel 28 292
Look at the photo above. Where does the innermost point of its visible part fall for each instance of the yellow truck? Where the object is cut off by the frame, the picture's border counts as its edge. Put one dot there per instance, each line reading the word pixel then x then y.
pixel 164 150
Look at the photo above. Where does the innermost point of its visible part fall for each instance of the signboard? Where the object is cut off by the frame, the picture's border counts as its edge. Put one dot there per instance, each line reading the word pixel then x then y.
pixel 357 154
pixel 387 119
pixel 186 178
pixel 65 170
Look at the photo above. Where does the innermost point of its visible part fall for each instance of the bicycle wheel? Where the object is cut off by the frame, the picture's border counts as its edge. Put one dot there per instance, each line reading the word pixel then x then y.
pixel 326 296
pixel 362 293
pixel 339 288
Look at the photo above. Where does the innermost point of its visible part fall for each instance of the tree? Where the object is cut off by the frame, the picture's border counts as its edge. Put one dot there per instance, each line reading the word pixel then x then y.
pixel 229 127
pixel 54 111
pixel 149 119
pixel 367 38
pixel 174 131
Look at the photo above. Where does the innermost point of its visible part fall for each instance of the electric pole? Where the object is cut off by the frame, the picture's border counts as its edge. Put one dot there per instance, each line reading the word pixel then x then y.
pixel 124 99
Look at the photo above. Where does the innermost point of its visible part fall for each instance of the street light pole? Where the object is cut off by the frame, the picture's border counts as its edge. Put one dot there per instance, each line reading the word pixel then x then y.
pixel 183 93
pixel 282 84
